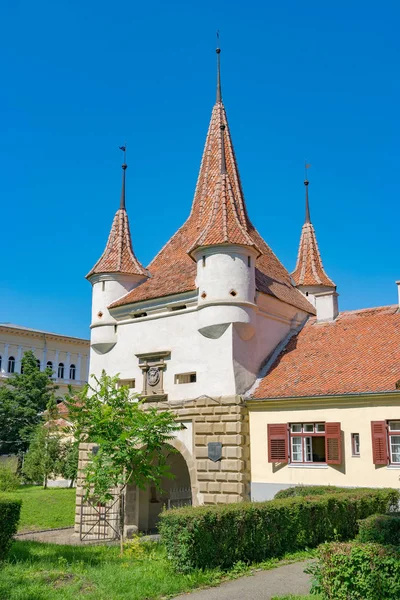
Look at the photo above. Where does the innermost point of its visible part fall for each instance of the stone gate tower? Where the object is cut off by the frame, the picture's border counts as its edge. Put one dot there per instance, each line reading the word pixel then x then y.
pixel 190 332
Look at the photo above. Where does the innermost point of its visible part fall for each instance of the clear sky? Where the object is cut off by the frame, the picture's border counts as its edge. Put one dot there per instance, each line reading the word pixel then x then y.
pixel 301 80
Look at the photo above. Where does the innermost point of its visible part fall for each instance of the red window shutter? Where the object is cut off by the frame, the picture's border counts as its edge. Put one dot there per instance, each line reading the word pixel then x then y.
pixel 379 443
pixel 278 450
pixel 333 444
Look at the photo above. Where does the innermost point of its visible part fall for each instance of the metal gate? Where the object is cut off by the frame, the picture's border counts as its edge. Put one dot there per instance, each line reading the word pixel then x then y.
pixel 100 522
pixel 180 497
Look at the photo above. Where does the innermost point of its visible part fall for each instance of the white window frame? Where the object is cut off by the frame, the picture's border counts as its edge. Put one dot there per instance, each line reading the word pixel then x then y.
pixel 355 444
pixel 300 430
pixel 393 433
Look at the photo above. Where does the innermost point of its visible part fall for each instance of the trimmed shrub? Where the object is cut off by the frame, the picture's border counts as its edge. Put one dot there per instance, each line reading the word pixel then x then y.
pixel 357 571
pixel 10 510
pixel 220 536
pixel 9 481
pixel 382 529
pixel 310 490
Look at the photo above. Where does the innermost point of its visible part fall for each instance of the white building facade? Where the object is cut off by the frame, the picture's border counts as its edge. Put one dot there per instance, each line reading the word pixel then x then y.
pixel 66 356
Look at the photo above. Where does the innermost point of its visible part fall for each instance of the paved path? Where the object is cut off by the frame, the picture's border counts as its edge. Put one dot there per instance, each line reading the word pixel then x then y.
pixel 263 585
pixel 53 536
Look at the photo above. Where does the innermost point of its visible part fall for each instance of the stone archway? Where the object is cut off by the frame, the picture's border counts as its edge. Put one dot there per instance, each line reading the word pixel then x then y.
pixel 144 506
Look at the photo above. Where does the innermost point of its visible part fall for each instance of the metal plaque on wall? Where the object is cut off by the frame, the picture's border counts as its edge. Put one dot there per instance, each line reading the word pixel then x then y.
pixel 214 451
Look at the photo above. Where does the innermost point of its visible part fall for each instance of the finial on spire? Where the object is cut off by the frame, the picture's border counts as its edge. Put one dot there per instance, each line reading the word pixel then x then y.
pixel 218 51
pixel 124 167
pixel 306 182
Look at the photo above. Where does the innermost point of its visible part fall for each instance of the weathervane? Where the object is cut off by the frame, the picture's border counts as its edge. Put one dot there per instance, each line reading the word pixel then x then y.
pixel 123 148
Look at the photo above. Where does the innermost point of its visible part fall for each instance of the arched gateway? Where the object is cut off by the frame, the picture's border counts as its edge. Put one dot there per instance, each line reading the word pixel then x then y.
pixel 143 506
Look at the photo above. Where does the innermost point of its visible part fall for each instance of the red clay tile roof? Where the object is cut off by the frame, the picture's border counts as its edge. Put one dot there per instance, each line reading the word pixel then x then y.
pixel 359 352
pixel 309 269
pixel 118 256
pixel 218 208
pixel 218 216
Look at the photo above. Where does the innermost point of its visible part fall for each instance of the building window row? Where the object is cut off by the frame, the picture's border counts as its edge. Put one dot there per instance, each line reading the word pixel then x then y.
pixel 316 443
pixel 60 371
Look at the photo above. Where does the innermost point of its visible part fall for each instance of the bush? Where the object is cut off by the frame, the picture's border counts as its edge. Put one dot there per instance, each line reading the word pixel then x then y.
pixel 9 481
pixel 220 536
pixel 310 490
pixel 382 529
pixel 357 571
pixel 9 517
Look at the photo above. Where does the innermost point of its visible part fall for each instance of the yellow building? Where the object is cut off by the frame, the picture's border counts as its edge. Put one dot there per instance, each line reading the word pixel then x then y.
pixel 325 409
pixel 67 356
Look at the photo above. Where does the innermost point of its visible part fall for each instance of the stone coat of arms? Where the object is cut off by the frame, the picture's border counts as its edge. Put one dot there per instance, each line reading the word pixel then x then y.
pixel 153 376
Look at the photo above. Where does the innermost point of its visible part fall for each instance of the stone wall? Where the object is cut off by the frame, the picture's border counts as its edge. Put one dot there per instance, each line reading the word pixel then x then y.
pixel 223 420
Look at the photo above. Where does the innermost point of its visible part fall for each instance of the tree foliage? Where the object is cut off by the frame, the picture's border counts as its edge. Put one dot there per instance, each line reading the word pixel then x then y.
pixel 68 461
pixel 22 400
pixel 130 438
pixel 42 461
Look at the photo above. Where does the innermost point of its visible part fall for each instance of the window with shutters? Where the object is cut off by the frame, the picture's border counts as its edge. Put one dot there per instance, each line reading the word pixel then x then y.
pixel 305 443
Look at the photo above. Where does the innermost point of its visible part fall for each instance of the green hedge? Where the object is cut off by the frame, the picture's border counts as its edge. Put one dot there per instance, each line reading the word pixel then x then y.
pixel 357 571
pixel 212 536
pixel 310 490
pixel 10 510
pixel 382 529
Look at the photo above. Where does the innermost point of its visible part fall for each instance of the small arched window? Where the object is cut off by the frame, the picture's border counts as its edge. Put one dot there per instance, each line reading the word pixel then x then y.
pixel 0 362
pixel 72 372
pixel 38 363
pixel 61 371
pixel 49 365
pixel 11 364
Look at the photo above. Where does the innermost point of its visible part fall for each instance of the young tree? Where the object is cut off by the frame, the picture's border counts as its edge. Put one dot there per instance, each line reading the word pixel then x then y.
pixel 22 400
pixel 130 439
pixel 43 457
pixel 68 461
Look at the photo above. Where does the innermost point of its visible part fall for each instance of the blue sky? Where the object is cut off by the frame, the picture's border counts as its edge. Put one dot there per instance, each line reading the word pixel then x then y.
pixel 314 80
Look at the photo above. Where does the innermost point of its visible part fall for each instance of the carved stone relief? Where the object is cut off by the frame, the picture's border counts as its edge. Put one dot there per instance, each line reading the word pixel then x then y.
pixel 153 366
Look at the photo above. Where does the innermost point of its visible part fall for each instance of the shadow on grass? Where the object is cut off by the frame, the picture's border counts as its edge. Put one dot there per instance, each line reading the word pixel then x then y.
pixel 37 552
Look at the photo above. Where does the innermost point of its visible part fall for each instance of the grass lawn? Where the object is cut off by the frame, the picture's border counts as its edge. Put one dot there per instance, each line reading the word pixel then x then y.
pixel 36 571
pixel 44 509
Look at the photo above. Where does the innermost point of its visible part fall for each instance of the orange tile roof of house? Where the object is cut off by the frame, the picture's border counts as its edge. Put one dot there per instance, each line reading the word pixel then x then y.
pixel 118 256
pixel 309 269
pixel 359 352
pixel 218 216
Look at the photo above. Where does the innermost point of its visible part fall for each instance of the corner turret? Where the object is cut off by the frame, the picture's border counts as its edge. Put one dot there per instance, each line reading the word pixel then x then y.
pixel 223 249
pixel 116 273
pixel 309 275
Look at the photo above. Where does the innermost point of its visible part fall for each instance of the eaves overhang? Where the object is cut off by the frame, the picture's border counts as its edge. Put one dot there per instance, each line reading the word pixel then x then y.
pixel 343 399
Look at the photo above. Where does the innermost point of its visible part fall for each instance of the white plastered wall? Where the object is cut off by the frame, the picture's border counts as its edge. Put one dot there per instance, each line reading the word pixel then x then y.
pixel 226 364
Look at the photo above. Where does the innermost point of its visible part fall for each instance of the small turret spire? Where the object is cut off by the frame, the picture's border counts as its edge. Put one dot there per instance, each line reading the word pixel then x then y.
pixel 124 167
pixel 219 93
pixel 306 183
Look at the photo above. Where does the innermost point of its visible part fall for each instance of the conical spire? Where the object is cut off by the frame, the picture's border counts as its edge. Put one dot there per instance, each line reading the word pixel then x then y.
pixel 219 208
pixel 218 217
pixel 118 256
pixel 309 270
